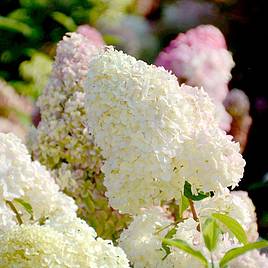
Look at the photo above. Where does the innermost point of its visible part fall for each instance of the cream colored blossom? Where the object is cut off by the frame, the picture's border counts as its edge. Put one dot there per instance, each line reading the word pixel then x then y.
pixel 252 259
pixel 51 245
pixel 154 134
pixel 237 205
pixel 20 178
pixel 188 232
pixel 140 241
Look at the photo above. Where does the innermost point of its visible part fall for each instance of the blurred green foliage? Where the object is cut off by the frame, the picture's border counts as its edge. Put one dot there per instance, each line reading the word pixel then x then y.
pixel 34 73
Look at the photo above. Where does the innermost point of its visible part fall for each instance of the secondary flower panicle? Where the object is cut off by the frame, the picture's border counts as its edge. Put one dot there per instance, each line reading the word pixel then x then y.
pixel 62 142
pixel 201 58
pixel 154 134
pixel 70 68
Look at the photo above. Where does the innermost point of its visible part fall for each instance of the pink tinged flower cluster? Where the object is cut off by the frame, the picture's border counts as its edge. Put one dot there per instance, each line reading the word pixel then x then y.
pixel 61 133
pixel 62 142
pixel 200 58
pixel 70 68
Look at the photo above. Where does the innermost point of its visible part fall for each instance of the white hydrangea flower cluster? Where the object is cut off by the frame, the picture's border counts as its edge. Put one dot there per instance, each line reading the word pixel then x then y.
pixel 60 239
pixel 62 143
pixel 20 178
pixel 140 241
pixel 253 259
pixel 237 205
pixel 142 244
pixel 154 134
pixel 52 245
pixel 66 138
pixel 247 216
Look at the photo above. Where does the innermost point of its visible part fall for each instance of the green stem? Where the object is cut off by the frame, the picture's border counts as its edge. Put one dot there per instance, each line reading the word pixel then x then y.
pixel 167 226
pixel 13 208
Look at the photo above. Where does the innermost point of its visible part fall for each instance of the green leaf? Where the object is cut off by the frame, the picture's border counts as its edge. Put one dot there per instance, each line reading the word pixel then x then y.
pixel 184 204
pixel 188 193
pixel 64 20
pixel 25 205
pixel 169 235
pixel 16 26
pixel 13 208
pixel 211 232
pixel 19 14
pixel 236 252
pixel 258 185
pixel 182 245
pixel 233 225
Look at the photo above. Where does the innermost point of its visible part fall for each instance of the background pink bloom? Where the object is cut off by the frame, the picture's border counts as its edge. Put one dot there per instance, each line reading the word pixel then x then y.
pixel 199 58
pixel 207 36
